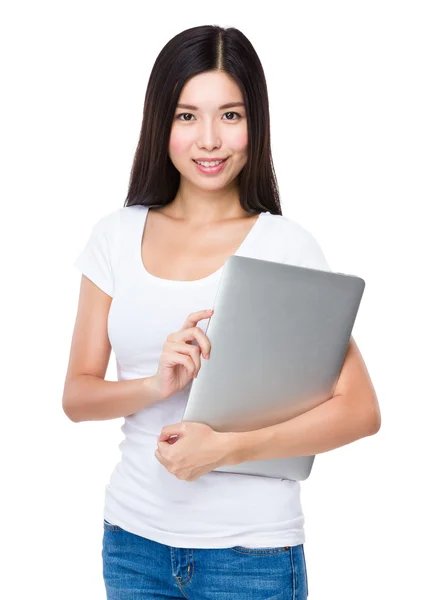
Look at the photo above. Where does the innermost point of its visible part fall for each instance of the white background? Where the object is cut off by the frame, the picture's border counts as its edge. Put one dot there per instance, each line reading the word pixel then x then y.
pixel 350 96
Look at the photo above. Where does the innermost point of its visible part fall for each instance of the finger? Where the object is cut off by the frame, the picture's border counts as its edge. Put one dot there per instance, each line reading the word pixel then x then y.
pixel 193 318
pixel 189 350
pixel 192 334
pixel 176 358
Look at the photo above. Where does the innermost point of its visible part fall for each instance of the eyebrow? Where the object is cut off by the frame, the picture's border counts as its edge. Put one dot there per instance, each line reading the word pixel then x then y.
pixel 229 105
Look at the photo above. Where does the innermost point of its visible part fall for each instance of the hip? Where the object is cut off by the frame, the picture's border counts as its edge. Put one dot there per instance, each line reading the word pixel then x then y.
pixel 133 565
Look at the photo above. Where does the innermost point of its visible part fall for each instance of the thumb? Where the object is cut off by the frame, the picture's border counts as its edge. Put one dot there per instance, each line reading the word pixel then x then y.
pixel 168 431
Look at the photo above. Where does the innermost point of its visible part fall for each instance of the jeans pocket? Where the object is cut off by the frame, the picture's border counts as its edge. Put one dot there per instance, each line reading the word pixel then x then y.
pixel 110 527
pixel 260 551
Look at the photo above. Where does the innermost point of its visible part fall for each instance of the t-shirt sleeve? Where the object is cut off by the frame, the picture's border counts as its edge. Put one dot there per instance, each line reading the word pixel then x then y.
pixel 98 259
pixel 312 255
pixel 300 247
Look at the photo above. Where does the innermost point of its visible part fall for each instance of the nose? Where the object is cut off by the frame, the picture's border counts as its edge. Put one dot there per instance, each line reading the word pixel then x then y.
pixel 209 135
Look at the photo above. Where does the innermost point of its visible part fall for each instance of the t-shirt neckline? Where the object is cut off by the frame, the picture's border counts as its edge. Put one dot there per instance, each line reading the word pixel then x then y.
pixel 180 282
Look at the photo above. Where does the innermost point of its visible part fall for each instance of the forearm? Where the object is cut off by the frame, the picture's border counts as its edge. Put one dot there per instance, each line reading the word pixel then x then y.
pixel 326 427
pixel 89 398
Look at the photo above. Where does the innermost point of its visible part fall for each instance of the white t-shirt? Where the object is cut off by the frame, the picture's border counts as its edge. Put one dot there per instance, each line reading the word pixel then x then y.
pixel 218 510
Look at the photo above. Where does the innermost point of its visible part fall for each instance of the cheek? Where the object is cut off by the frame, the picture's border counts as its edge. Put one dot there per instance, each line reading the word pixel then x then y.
pixel 178 143
pixel 238 141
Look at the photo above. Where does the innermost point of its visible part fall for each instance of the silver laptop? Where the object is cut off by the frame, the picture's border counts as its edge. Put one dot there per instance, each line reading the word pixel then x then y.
pixel 279 336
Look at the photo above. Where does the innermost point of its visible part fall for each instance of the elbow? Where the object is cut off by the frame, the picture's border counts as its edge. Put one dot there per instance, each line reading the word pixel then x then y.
pixel 373 421
pixel 366 417
pixel 69 411
pixel 70 415
pixel 70 401
pixel 377 424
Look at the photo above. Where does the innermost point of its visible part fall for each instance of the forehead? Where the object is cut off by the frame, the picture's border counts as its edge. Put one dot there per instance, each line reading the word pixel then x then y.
pixel 209 89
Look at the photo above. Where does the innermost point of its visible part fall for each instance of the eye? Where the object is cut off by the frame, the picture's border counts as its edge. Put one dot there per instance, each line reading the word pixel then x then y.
pixel 182 114
pixel 233 113
pixel 191 115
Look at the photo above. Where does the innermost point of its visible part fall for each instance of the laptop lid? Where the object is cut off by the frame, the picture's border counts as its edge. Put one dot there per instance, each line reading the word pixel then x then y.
pixel 279 335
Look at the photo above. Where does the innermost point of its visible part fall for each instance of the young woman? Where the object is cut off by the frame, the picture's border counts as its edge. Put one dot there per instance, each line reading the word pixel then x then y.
pixel 202 188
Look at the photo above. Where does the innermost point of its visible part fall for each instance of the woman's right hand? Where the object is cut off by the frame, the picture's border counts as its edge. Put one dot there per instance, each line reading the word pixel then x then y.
pixel 180 360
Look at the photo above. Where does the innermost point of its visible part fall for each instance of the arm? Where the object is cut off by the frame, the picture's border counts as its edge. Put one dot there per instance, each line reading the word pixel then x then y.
pixel 352 413
pixel 86 395
pixel 91 398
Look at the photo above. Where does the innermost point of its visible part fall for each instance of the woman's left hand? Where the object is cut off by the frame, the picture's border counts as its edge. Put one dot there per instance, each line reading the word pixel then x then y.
pixel 197 450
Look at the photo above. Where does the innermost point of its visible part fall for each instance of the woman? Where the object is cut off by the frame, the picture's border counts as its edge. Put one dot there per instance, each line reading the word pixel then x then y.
pixel 173 526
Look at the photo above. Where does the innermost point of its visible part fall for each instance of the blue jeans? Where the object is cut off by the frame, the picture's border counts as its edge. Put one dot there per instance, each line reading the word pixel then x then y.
pixel 135 568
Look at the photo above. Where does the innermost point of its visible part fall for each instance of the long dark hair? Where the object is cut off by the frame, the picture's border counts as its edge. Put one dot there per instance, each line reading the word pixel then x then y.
pixel 154 180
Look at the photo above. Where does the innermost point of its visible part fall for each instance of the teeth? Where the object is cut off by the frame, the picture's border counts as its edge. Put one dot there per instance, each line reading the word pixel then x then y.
pixel 209 164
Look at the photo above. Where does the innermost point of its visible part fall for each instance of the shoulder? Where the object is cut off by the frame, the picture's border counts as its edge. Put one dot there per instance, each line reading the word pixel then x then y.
pixel 109 222
pixel 106 233
pixel 298 244
pixel 290 231
pixel 116 223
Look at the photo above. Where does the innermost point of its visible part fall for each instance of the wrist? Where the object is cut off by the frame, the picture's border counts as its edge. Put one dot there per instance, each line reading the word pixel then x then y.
pixel 244 446
pixel 151 389
pixel 235 446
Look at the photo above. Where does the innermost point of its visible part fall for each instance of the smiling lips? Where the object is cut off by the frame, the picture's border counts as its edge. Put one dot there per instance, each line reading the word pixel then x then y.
pixel 210 169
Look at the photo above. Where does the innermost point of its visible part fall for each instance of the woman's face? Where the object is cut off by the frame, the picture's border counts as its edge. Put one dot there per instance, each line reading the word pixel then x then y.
pixel 208 131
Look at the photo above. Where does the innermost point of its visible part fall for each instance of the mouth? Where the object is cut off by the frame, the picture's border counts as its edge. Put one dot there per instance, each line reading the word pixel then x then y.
pixel 210 169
